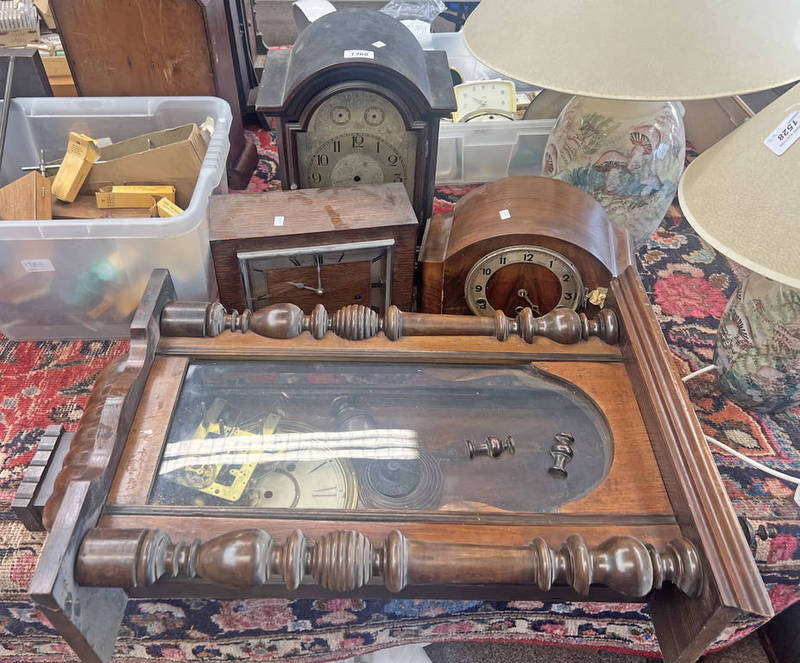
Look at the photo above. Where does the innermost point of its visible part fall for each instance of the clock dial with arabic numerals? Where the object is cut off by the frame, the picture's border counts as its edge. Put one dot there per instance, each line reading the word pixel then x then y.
pixel 514 277
pixel 356 137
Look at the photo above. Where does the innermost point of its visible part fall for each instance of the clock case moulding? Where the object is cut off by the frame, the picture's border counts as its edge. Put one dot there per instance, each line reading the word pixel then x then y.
pixel 297 80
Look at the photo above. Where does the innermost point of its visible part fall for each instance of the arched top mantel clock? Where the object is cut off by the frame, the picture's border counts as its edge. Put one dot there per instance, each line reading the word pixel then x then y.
pixel 357 101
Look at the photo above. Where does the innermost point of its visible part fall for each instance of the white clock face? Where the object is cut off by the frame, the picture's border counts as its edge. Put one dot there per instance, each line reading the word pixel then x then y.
pixel 516 277
pixel 356 137
pixel 484 96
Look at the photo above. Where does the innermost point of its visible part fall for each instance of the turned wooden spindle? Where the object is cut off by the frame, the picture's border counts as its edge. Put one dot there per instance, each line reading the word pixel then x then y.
pixel 346 560
pixel 357 322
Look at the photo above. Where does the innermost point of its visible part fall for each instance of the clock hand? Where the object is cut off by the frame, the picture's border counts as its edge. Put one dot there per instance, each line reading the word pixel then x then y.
pixel 303 286
pixel 318 260
pixel 524 294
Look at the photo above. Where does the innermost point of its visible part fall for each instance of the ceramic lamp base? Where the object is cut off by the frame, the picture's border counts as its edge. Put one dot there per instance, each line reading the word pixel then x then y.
pixel 757 350
pixel 628 154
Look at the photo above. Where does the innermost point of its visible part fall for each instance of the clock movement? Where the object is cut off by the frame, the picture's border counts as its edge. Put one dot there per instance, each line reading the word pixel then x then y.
pixel 520 242
pixel 357 101
pixel 321 246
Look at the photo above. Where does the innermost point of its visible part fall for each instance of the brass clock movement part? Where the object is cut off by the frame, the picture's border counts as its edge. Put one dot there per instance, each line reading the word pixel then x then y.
pixel 562 452
pixel 492 446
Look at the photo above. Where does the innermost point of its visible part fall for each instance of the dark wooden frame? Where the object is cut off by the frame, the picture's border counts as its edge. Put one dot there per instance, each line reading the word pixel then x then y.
pixel 95 557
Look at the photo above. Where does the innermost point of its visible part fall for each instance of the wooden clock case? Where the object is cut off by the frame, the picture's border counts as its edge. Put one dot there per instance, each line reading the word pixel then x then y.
pixel 313 217
pixel 538 211
pixel 658 528
pixel 297 80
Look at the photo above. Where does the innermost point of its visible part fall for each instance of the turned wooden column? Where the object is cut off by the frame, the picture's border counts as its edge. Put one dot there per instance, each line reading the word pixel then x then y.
pixel 346 560
pixel 357 322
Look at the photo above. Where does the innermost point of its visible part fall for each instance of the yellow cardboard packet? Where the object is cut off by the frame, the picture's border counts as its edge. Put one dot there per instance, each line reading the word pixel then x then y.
pixel 75 166
pixel 133 196
pixel 166 207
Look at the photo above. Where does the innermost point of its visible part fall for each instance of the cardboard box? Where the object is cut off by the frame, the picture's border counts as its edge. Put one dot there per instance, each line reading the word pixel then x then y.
pixel 166 208
pixel 75 166
pixel 133 196
pixel 172 156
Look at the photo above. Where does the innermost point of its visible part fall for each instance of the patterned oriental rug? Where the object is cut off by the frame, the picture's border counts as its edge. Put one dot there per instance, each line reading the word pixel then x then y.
pixel 688 282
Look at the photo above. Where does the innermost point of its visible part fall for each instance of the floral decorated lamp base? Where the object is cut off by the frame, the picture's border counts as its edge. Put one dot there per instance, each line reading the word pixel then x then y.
pixel 757 350
pixel 628 154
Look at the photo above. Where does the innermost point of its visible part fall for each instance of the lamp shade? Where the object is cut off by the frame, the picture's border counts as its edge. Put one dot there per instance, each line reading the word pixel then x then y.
pixel 744 199
pixel 640 49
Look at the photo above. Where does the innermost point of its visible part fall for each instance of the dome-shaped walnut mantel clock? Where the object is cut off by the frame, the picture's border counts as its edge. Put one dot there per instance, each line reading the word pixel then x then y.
pixel 520 242
pixel 357 101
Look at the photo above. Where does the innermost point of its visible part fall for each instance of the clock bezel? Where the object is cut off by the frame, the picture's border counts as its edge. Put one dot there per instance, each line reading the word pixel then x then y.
pixel 489 310
pixel 384 247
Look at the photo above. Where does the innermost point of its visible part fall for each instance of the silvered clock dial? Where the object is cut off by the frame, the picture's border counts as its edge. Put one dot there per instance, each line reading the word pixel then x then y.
pixel 356 137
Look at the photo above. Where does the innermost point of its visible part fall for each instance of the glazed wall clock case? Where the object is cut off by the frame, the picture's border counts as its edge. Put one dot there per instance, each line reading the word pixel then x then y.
pixel 357 101
pixel 326 453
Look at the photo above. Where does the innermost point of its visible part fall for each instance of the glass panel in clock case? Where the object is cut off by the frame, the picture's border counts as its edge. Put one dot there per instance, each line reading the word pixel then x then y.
pixel 367 436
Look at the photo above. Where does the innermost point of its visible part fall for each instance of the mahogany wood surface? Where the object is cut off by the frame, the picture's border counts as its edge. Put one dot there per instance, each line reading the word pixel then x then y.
pixel 471 350
pixel 149 429
pixel 313 217
pixel 347 560
pixel 543 212
pixel 698 498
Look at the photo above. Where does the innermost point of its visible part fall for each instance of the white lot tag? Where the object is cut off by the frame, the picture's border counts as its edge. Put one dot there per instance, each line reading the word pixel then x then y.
pixel 38 265
pixel 378 44
pixel 370 55
pixel 277 221
pixel 786 133
pixel 505 214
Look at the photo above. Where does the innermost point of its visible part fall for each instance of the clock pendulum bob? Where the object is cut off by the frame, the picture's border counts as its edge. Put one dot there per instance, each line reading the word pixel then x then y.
pixel 520 242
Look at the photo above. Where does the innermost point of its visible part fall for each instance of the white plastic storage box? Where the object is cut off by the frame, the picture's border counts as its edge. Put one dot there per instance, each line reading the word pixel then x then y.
pixel 476 152
pixel 64 279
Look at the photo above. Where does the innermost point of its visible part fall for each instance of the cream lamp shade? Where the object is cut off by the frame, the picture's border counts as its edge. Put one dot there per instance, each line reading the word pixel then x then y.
pixel 744 199
pixel 640 49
